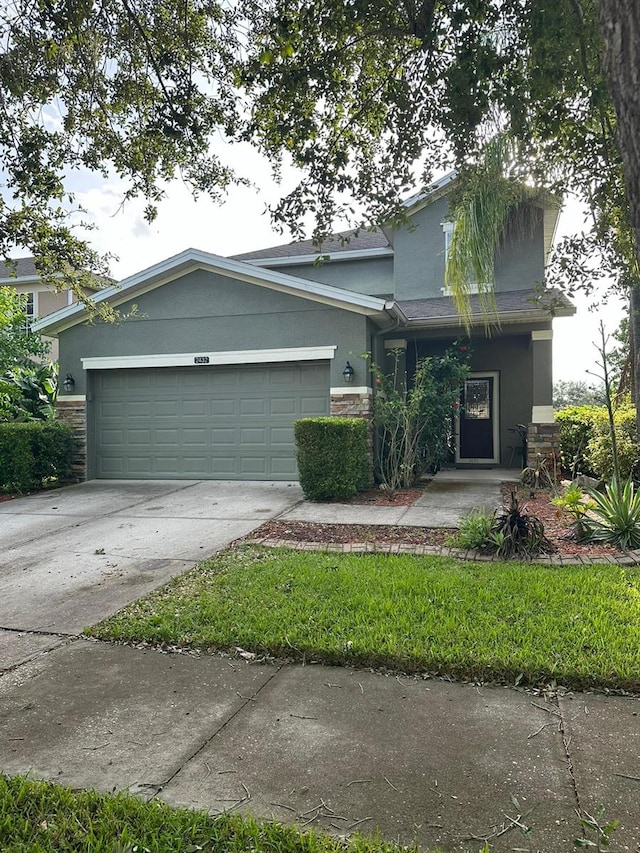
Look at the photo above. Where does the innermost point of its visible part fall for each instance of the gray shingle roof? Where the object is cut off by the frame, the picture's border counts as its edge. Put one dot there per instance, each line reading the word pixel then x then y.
pixel 509 301
pixel 19 268
pixel 348 241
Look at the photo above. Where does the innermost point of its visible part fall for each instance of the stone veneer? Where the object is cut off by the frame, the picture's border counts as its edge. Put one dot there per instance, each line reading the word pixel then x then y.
pixel 355 404
pixel 351 404
pixel 542 440
pixel 74 413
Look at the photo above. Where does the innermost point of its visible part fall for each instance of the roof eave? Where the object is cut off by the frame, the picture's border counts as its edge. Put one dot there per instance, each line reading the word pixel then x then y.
pixel 503 318
pixel 320 257
pixel 191 260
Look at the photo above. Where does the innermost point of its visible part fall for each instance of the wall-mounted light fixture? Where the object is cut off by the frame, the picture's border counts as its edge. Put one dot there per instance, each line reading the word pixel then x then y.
pixel 68 384
pixel 347 373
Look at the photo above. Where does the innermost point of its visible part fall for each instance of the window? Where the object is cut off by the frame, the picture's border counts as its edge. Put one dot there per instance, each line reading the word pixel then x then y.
pixel 447 228
pixel 29 311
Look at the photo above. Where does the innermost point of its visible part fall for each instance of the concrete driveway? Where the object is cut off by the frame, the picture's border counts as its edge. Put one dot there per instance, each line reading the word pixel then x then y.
pixel 72 556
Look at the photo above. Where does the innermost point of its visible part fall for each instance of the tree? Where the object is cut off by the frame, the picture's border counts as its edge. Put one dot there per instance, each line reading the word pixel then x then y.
pixel 17 342
pixel 18 346
pixel 367 98
pixel 134 88
pixel 577 393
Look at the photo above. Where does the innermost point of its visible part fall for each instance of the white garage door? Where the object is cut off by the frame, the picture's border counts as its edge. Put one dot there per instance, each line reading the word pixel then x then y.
pixel 204 422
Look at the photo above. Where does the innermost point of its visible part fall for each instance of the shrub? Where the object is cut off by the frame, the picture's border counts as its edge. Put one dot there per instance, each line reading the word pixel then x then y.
pixel 333 457
pixel 599 450
pixel 33 452
pixel 617 514
pixel 513 533
pixel 474 530
pixel 576 429
pixel 414 424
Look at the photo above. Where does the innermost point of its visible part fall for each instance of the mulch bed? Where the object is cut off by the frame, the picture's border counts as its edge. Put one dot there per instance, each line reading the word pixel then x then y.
pixel 557 525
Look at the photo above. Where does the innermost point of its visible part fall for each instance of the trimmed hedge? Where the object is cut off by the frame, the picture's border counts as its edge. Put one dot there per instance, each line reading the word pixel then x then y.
pixel 33 452
pixel 333 457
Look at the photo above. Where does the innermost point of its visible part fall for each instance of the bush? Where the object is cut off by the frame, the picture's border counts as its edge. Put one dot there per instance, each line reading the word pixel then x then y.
pixel 33 452
pixel 617 514
pixel 576 430
pixel 333 457
pixel 599 452
pixel 474 530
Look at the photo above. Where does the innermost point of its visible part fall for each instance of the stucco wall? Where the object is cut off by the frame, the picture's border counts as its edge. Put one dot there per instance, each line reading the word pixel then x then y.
pixel 372 276
pixel 203 312
pixel 420 256
pixel 512 356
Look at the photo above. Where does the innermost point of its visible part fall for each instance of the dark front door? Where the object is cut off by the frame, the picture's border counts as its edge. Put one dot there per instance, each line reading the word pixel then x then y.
pixel 477 435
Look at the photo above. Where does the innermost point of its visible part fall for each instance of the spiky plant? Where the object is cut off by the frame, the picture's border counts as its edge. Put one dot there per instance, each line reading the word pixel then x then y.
pixel 518 534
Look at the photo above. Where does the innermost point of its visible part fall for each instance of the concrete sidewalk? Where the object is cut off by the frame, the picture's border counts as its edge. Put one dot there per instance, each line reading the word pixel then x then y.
pixel 423 761
pixel 449 496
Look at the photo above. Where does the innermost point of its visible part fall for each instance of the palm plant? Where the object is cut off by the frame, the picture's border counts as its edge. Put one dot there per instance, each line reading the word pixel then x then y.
pixel 491 203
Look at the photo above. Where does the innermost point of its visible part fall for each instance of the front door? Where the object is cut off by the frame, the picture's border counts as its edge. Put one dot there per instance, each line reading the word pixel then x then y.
pixel 477 434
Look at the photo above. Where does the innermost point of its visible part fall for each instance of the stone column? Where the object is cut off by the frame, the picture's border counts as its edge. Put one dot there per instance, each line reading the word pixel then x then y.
pixel 350 402
pixel 543 435
pixel 72 410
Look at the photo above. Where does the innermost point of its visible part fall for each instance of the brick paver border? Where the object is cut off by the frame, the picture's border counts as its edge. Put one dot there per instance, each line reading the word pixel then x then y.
pixel 629 558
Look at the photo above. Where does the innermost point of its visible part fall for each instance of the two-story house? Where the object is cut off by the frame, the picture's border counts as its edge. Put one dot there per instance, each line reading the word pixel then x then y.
pixel 224 354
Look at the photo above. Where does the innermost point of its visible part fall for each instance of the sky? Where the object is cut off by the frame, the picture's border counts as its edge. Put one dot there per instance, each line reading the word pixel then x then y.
pixel 242 223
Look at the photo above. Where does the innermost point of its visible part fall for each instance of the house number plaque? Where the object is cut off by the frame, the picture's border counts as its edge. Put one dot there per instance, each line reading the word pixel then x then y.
pixel 201 359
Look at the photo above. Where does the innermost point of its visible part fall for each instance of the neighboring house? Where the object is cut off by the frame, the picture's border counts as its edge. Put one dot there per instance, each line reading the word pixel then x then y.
pixel 224 354
pixel 22 275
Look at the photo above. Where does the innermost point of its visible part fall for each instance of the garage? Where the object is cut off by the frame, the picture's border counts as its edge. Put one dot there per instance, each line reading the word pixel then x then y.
pixel 205 422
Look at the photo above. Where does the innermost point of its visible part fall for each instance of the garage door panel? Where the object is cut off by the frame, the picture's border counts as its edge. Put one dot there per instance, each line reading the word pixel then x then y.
pixel 313 406
pixel 205 422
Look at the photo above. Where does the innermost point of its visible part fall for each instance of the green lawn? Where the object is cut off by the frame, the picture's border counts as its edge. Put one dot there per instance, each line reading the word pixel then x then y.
pixel 38 817
pixel 504 622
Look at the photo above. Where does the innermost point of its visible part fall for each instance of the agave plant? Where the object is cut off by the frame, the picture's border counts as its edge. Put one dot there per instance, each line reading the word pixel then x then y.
pixel 617 512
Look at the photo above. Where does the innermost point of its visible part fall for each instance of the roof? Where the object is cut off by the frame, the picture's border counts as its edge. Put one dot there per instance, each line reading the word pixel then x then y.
pixel 347 241
pixel 23 270
pixel 18 268
pixel 195 259
pixel 364 241
pixel 514 305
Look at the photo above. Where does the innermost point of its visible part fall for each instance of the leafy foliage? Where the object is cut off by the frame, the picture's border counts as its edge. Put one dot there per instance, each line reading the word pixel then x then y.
pixel 132 90
pixel 617 514
pixel 577 504
pixel 599 449
pixel 414 425
pixel 474 530
pixel 576 429
pixel 31 453
pixel 333 457
pixel 31 390
pixel 17 341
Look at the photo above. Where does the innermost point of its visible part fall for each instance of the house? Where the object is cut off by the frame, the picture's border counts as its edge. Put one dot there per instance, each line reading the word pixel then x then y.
pixel 224 353
pixel 22 275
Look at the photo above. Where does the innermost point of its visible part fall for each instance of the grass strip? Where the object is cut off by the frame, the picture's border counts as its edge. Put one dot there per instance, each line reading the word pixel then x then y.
pixel 40 817
pixel 579 625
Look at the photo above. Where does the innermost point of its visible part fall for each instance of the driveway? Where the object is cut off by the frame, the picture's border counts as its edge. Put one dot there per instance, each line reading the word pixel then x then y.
pixel 73 556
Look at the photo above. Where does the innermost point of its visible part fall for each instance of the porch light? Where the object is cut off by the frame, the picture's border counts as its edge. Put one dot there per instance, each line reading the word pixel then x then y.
pixel 347 373
pixel 69 383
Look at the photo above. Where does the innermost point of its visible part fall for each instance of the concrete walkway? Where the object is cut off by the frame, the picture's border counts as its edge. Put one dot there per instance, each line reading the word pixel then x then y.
pixel 451 495
pixel 422 761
